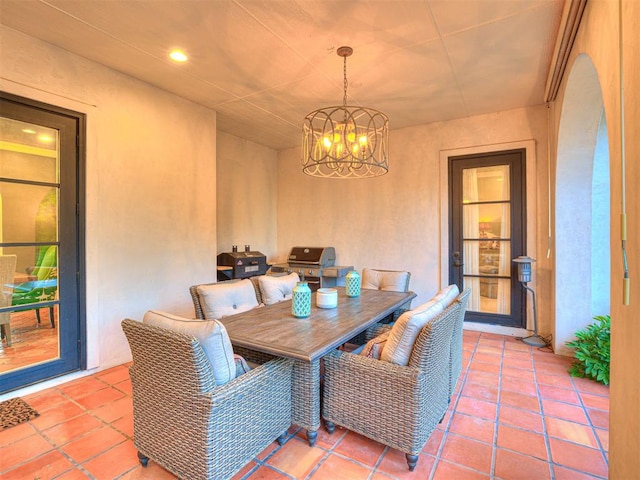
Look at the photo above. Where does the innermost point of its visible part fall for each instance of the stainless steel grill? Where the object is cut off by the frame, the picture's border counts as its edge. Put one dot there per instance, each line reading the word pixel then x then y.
pixel 315 264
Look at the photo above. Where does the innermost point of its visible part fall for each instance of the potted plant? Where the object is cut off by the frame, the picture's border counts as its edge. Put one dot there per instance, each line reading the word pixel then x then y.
pixel 592 350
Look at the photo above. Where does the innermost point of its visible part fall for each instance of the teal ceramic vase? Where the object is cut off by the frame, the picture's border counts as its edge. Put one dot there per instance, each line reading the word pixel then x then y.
pixel 352 283
pixel 301 300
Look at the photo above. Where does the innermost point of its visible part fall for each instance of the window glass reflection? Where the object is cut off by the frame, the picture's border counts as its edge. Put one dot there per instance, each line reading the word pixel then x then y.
pixel 28 152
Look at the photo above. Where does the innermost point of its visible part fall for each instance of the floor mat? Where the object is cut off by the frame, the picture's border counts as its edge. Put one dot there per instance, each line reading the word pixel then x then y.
pixel 14 412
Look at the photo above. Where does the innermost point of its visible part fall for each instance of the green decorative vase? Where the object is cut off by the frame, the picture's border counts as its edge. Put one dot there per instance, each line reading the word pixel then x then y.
pixel 301 300
pixel 352 283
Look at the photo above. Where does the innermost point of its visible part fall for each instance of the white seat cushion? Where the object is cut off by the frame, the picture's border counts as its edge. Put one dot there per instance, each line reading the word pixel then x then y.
pixel 384 280
pixel 277 289
pixel 242 366
pixel 373 348
pixel 405 331
pixel 227 298
pixel 212 336
pixel 447 295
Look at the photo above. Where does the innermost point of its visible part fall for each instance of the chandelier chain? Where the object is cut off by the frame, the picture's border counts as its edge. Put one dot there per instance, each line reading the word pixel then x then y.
pixel 344 99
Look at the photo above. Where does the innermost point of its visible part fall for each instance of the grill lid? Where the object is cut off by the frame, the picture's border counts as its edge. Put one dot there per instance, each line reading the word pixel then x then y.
pixel 233 259
pixel 321 256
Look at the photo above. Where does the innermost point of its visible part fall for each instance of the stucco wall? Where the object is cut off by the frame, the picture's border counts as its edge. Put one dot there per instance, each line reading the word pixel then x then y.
pixel 394 221
pixel 150 187
pixel 599 38
pixel 247 188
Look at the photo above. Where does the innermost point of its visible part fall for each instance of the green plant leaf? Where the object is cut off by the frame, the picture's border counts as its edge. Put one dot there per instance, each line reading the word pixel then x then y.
pixel 592 350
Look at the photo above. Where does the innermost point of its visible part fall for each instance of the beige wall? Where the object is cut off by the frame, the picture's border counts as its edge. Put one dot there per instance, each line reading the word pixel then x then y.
pixel 150 188
pixel 598 37
pixel 394 221
pixel 147 239
pixel 247 195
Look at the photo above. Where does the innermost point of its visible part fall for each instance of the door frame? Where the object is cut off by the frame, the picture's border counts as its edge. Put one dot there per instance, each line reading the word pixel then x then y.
pixel 516 160
pixel 42 372
pixel 532 218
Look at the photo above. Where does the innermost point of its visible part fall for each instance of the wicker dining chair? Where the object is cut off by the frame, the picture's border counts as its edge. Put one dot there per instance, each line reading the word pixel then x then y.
pixel 198 301
pixel 395 405
pixel 186 423
pixel 455 359
pixel 390 280
pixel 305 376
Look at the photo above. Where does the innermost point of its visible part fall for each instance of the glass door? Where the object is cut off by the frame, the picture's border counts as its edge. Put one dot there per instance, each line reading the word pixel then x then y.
pixel 40 307
pixel 487 195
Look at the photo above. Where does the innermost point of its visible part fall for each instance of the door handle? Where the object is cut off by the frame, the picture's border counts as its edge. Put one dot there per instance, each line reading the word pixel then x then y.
pixel 456 260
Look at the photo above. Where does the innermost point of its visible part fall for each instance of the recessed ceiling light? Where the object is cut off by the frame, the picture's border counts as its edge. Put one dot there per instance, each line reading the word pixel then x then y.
pixel 178 56
pixel 45 138
pixel 28 130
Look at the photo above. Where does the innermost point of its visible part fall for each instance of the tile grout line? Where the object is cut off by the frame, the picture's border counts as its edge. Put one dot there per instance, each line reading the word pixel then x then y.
pixel 328 452
pixel 591 426
pixel 377 464
pixel 460 384
pixel 545 433
pixel 59 448
pixel 260 463
pixel 496 425
pixel 80 466
pixel 547 437
pixel 539 364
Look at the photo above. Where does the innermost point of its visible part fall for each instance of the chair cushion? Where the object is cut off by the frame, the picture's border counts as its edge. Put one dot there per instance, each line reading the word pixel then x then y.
pixel 227 298
pixel 277 289
pixel 447 295
pixel 373 348
pixel 404 332
pixel 242 366
pixel 212 336
pixel 384 280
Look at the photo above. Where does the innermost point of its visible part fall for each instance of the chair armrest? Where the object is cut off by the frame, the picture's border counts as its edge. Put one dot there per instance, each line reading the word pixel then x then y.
pixel 249 411
pixel 271 379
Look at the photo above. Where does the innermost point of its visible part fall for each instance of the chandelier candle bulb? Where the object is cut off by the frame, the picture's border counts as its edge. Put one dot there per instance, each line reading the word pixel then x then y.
pixel 301 300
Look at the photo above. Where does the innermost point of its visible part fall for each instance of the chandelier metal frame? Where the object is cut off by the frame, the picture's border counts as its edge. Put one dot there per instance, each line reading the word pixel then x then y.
pixel 345 141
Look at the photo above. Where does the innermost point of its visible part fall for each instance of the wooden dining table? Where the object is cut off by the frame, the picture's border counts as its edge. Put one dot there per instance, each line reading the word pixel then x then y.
pixel 273 330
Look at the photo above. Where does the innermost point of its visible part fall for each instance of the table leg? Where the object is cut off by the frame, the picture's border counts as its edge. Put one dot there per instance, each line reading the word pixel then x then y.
pixel 305 393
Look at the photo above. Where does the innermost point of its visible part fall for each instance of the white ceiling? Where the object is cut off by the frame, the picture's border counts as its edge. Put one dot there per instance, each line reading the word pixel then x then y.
pixel 264 64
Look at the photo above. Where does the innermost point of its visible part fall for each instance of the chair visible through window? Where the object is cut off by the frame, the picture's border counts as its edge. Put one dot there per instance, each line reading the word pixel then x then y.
pixel 7 271
pixel 44 286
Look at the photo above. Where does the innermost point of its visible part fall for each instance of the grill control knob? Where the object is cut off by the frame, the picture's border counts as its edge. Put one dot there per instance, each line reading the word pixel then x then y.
pixel 310 272
pixel 300 272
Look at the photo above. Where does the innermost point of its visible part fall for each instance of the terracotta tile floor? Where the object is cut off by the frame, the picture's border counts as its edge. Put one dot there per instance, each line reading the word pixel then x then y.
pixel 31 342
pixel 517 415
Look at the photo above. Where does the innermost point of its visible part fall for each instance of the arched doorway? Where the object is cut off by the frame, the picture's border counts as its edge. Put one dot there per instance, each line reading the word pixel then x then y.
pixel 582 207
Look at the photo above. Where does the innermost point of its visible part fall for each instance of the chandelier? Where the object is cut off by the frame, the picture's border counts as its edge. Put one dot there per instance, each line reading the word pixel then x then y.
pixel 345 141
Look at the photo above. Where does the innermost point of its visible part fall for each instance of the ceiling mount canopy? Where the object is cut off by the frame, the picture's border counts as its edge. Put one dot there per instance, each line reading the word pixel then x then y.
pixel 345 141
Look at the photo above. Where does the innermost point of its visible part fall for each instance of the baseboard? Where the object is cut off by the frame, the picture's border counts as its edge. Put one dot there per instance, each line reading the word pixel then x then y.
pixel 497 329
